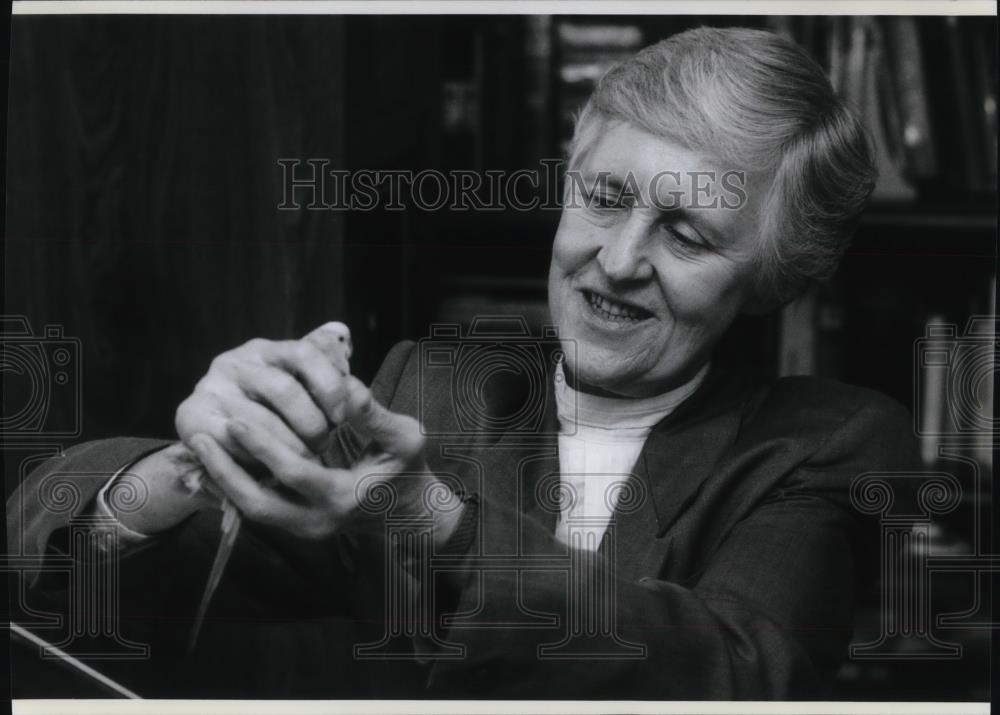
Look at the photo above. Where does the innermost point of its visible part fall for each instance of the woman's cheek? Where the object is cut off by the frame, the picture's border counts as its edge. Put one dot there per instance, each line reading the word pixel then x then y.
pixel 576 241
pixel 699 292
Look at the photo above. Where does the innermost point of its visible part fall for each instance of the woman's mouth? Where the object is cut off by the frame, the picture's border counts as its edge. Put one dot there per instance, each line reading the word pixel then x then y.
pixel 614 311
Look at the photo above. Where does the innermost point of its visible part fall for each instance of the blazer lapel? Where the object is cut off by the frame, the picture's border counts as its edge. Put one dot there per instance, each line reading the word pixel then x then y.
pixel 512 469
pixel 542 470
pixel 629 538
pixel 678 457
pixel 520 471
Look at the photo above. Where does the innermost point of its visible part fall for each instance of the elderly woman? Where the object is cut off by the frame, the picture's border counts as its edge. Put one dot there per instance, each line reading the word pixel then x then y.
pixel 704 545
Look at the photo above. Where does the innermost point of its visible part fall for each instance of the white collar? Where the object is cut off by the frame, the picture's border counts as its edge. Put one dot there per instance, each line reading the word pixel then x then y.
pixel 581 409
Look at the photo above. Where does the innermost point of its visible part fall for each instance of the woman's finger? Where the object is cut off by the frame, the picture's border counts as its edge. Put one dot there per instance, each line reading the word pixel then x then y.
pixel 398 435
pixel 210 413
pixel 284 394
pixel 291 469
pixel 255 501
pixel 266 420
pixel 322 377
pixel 201 413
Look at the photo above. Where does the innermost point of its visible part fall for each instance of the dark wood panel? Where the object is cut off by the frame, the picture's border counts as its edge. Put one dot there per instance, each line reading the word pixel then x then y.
pixel 143 192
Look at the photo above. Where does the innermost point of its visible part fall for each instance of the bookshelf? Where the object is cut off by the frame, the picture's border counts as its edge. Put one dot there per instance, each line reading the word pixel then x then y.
pixel 927 99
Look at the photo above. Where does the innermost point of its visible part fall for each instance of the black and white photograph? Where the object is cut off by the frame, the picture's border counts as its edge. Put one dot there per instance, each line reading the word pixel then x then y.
pixel 500 357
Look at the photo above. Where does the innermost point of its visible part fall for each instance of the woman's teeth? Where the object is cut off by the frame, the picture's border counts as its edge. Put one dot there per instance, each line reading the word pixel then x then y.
pixel 613 310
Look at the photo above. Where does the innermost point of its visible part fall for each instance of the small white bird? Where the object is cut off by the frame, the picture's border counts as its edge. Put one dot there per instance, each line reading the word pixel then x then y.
pixel 334 340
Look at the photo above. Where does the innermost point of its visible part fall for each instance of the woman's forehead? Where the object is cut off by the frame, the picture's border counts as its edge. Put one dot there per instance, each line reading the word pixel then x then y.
pixel 624 148
pixel 662 175
pixel 630 158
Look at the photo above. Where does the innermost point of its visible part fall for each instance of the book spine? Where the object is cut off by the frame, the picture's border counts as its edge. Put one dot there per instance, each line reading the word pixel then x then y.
pixel 986 94
pixel 538 89
pixel 971 157
pixel 907 65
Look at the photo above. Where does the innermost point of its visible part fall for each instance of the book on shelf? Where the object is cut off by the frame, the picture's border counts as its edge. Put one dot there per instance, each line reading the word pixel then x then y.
pixel 859 67
pixel 964 111
pixel 462 98
pixel 797 336
pixel 926 91
pixel 586 51
pixel 537 68
pixel 905 76
pixel 984 78
pixel 811 333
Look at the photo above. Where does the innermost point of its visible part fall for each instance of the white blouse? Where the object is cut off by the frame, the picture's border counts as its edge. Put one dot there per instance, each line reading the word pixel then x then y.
pixel 600 439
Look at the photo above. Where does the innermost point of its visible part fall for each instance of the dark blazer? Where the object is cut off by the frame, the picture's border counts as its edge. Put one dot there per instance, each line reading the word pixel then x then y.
pixel 733 572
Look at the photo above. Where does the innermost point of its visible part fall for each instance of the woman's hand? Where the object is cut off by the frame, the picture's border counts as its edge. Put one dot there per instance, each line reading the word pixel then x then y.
pixel 313 501
pixel 292 390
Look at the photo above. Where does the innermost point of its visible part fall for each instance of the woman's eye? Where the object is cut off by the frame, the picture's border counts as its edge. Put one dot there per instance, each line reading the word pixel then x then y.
pixel 686 242
pixel 605 201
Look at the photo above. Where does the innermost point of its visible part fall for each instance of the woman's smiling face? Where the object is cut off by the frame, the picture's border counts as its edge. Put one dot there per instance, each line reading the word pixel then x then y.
pixel 649 270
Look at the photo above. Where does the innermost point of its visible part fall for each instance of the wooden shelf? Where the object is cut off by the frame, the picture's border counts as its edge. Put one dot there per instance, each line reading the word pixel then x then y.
pixel 978 218
pixel 975 220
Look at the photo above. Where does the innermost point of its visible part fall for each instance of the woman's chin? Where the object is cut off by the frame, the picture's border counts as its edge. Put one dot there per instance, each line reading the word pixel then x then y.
pixel 604 375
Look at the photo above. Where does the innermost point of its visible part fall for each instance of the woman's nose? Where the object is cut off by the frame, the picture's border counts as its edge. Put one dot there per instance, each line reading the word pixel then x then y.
pixel 623 255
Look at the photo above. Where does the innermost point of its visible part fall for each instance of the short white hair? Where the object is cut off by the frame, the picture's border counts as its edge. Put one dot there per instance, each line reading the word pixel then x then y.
pixel 753 101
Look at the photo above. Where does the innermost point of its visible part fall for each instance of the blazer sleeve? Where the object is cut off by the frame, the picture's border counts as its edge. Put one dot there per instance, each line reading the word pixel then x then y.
pixel 769 616
pixel 65 486
pixel 282 600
